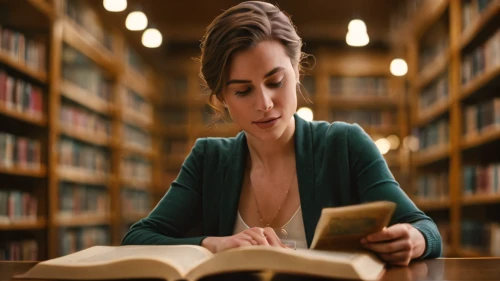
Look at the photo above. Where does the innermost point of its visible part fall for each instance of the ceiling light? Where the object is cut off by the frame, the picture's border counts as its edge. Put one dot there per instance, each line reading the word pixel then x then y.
pixel 305 113
pixel 152 38
pixel 114 5
pixel 357 25
pixel 398 67
pixel 356 34
pixel 394 141
pixel 136 21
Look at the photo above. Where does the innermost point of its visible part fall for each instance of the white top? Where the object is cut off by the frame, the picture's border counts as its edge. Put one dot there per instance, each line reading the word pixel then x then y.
pixel 296 236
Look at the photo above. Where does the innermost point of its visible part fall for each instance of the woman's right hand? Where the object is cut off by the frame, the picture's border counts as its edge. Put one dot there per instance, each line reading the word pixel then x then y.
pixel 252 236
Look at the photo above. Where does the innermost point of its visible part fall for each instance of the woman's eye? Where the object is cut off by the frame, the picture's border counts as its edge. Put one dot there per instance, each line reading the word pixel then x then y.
pixel 244 92
pixel 276 85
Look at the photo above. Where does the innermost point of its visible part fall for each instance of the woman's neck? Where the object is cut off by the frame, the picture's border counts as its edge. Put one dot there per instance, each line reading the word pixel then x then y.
pixel 268 154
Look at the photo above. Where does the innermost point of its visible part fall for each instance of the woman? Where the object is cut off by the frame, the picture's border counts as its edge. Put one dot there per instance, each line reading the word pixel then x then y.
pixel 268 184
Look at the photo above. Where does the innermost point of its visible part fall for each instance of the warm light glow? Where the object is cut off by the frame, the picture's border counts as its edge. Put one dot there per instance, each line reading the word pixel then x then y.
pixel 399 67
pixel 152 38
pixel 305 113
pixel 357 26
pixel 411 143
pixel 383 145
pixel 136 21
pixel 394 141
pixel 357 39
pixel 115 5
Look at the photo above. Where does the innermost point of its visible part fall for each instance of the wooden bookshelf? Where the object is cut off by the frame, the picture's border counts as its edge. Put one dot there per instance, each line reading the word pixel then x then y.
pixel 80 176
pixel 44 7
pixel 487 17
pixel 136 119
pixel 22 116
pixel 480 199
pixel 79 39
pixel 82 220
pixel 427 205
pixel 90 138
pixel 39 172
pixel 136 184
pixel 480 82
pixel 136 150
pixel 433 70
pixel 133 217
pixel 39 223
pixel 433 112
pixel 39 76
pixel 492 134
pixel 362 102
pixel 452 159
pixel 85 98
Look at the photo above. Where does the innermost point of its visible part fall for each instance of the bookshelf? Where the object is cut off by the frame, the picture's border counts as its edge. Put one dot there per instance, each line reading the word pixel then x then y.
pixel 78 139
pixel 456 118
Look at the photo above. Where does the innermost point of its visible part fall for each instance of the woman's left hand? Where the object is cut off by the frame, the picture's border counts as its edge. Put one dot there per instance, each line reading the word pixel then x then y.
pixel 397 244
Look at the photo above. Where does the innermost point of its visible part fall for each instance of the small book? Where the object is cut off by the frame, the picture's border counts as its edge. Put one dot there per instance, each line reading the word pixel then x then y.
pixel 335 252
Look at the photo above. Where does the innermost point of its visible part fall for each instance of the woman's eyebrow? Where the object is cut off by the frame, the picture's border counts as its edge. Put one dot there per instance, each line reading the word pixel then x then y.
pixel 273 71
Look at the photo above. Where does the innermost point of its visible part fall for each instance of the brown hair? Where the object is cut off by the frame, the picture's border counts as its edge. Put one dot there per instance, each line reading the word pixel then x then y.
pixel 239 28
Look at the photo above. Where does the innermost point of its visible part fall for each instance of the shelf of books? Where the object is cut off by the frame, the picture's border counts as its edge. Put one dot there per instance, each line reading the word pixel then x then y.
pixel 23 134
pixel 457 123
pixel 76 145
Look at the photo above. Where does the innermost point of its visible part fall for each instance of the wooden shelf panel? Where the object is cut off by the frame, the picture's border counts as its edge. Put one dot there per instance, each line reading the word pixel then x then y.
pixel 44 7
pixel 488 16
pixel 179 131
pixel 25 117
pixel 136 82
pixel 79 176
pixel 433 112
pixel 384 131
pixel 24 172
pixel 431 155
pixel 361 102
pixel 430 15
pixel 39 223
pixel 132 149
pixel 131 117
pixel 136 184
pixel 480 199
pixel 82 220
pixel 79 39
pixel 432 204
pixel 39 76
pixel 492 134
pixel 480 82
pixel 433 70
pixel 85 98
pixel 95 139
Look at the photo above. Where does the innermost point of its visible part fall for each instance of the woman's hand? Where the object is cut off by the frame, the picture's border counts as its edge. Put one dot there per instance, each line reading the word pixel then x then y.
pixel 397 244
pixel 252 236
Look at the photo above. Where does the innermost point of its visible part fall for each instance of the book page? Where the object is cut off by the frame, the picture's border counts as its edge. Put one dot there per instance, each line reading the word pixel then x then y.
pixel 108 262
pixel 302 261
pixel 342 228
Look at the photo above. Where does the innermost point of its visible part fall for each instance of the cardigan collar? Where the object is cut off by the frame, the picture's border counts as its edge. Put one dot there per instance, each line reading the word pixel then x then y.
pixel 233 179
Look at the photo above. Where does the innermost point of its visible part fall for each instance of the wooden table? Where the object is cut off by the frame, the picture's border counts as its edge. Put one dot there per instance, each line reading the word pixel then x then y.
pixel 477 269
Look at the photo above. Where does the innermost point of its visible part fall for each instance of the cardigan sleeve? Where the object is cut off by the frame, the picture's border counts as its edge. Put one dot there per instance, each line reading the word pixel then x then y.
pixel 375 182
pixel 176 212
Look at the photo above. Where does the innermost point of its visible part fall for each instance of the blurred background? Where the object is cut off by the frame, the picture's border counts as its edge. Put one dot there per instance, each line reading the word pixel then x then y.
pixel 100 102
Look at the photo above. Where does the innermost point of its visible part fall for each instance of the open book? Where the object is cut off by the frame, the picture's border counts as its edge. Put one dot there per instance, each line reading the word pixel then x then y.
pixel 328 256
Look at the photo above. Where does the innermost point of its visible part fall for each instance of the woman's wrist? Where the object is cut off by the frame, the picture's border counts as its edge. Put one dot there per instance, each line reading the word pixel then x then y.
pixel 209 244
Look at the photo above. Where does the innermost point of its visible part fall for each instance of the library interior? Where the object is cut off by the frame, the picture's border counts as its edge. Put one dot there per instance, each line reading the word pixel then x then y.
pixel 102 101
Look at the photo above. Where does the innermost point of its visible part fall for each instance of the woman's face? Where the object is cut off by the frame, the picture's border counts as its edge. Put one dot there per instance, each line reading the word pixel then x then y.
pixel 260 92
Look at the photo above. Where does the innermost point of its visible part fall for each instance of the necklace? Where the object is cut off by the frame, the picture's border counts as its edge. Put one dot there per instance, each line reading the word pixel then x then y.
pixel 283 203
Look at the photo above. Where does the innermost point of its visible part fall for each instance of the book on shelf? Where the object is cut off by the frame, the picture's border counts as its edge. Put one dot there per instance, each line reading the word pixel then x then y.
pixel 16 205
pixel 19 250
pixel 482 237
pixel 481 117
pixel 22 49
pixel 335 252
pixel 19 95
pixel 482 59
pixel 19 152
pixel 481 179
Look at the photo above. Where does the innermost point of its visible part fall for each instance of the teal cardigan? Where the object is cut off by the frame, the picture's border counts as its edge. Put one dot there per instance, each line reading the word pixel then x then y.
pixel 337 164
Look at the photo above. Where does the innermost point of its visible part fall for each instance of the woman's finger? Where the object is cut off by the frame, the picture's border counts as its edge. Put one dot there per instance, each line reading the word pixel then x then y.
pixel 391 233
pixel 257 234
pixel 390 247
pixel 272 238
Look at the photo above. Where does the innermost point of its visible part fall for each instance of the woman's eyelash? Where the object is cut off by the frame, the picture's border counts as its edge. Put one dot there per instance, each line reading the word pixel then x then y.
pixel 277 85
pixel 244 92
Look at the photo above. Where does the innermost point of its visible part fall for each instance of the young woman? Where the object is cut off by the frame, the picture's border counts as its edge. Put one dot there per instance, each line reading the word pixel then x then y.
pixel 270 182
